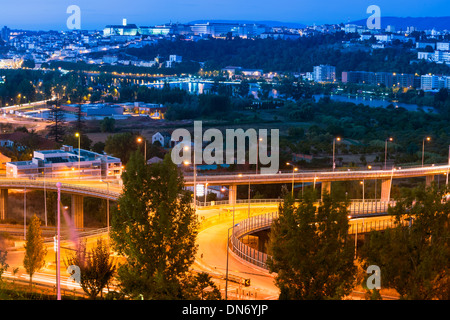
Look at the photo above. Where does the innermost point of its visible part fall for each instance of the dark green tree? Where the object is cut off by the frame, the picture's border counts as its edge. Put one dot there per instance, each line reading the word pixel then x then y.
pixel 155 227
pixel 309 250
pixel 121 145
pixel 414 258
pixel 107 124
pixel 56 129
pixel 71 140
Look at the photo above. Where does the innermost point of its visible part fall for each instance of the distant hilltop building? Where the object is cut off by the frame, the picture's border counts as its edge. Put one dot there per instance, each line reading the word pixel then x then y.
pixel 121 30
pixel 213 29
pixel 438 52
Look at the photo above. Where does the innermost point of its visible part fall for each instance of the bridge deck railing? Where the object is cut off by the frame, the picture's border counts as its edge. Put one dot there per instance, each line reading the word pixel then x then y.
pixel 247 226
pixel 356 207
pixel 51 185
pixel 261 222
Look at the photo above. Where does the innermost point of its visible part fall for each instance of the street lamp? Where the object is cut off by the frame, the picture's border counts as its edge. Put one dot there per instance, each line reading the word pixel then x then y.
pixel 25 213
pixel 45 199
pixel 293 171
pixel 257 154
pixel 240 176
pixel 107 205
pixel 334 148
pixel 370 168
pixel 79 154
pixel 58 247
pixel 362 183
pixel 228 239
pixel 423 147
pixel 186 148
pixel 139 140
pixel 385 150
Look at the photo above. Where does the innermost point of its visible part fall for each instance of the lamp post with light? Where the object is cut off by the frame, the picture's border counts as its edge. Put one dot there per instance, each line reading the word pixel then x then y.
pixel 423 147
pixel 334 149
pixel 107 204
pixel 257 154
pixel 139 140
pixel 385 150
pixel 58 247
pixel 77 134
pixel 293 171
pixel 186 148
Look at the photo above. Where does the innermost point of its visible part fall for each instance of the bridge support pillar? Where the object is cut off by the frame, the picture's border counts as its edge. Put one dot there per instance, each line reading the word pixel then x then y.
pixel 3 204
pixel 77 211
pixel 232 192
pixel 429 180
pixel 386 186
pixel 326 188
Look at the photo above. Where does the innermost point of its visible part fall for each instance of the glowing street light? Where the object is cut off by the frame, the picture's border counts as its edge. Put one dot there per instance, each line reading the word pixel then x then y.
pixel 385 150
pixel 293 171
pixel 362 183
pixel 139 140
pixel 334 148
pixel 77 134
pixel 186 148
pixel 423 147
pixel 257 154
pixel 58 246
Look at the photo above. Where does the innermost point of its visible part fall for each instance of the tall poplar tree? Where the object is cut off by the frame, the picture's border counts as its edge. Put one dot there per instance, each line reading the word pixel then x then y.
pixel 35 251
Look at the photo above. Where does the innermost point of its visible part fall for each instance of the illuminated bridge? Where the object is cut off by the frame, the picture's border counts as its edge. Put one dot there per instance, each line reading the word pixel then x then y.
pixel 111 190
pixel 325 178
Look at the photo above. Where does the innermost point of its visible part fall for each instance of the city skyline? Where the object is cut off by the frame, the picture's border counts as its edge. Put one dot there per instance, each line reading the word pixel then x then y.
pixel 51 14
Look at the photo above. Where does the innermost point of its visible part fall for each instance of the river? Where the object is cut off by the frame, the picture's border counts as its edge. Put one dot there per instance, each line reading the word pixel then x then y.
pixel 375 103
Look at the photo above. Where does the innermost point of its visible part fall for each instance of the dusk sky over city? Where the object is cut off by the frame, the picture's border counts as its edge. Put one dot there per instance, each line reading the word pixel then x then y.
pixel 51 14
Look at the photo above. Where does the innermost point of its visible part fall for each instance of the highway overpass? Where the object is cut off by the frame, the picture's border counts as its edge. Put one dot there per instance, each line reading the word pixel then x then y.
pixel 111 190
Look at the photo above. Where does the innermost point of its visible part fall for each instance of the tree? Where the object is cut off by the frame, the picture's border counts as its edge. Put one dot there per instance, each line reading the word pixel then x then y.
pixel 35 251
pixel 3 265
pixel 107 124
pixel 72 140
pixel 96 96
pixel 79 124
pixel 203 288
pixel 414 259
pixel 96 267
pixel 310 251
pixel 155 227
pixel 121 145
pixel 98 147
pixel 56 128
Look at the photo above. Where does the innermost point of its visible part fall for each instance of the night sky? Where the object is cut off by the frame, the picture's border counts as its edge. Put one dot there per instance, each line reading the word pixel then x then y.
pixel 95 14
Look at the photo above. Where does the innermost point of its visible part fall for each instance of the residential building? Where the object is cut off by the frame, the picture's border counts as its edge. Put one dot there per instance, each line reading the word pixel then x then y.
pixel 443 46
pixel 324 73
pixel 67 162
pixel 429 82
pixel 163 138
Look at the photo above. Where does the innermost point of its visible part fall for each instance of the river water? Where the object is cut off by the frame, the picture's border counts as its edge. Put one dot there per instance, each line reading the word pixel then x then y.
pixel 375 102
